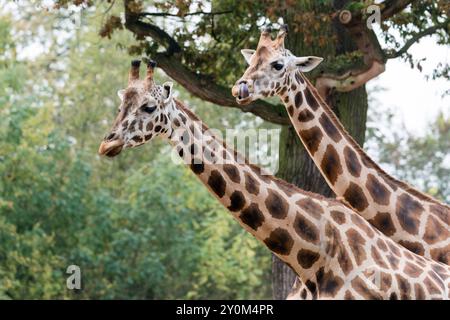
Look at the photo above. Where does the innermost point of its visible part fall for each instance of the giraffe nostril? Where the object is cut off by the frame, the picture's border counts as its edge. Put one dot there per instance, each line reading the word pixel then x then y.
pixel 110 136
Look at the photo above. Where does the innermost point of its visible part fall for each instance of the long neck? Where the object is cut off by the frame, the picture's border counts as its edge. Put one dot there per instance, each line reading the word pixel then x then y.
pixel 416 220
pixel 261 203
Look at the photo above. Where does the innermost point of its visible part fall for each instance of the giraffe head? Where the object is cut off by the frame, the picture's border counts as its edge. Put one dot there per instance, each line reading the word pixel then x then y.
pixel 270 65
pixel 143 112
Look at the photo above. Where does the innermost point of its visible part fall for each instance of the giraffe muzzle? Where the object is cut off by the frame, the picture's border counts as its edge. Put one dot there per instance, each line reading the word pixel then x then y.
pixel 243 91
pixel 110 148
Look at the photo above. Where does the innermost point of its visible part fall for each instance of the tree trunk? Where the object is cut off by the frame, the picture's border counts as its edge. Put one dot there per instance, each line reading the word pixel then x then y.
pixel 296 166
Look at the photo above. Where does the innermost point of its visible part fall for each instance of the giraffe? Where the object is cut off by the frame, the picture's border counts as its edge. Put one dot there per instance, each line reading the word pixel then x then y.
pixel 411 218
pixel 336 253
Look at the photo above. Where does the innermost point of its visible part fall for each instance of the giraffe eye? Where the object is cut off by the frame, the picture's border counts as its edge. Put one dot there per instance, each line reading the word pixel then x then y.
pixel 277 66
pixel 148 109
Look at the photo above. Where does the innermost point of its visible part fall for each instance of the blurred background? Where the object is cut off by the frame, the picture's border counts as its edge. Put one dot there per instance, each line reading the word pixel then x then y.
pixel 140 226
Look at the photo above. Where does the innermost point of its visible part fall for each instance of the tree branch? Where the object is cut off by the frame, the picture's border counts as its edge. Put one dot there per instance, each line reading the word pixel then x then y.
pixel 367 43
pixel 350 80
pixel 166 14
pixel 391 54
pixel 392 7
pixel 197 84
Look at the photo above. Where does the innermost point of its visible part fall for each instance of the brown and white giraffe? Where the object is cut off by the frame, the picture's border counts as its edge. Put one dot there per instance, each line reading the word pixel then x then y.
pixel 335 252
pixel 411 218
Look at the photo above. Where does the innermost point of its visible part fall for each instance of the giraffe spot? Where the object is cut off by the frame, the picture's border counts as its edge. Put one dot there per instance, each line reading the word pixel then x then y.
pixel 312 102
pixel 334 241
pixel 310 207
pixel 394 248
pixel 176 122
pixel 305 115
pixel 348 295
pixel 290 110
pixel 419 292
pixel 304 294
pixel 378 258
pixel 330 128
pixel 251 184
pixel 283 91
pixel 363 225
pixel 386 281
pixel 299 78
pixel 148 137
pixel 237 201
pixel 393 261
pixel 125 125
pixel 344 261
pixel 361 288
pixel 338 216
pixel 408 212
pixel 435 231
pixel 132 124
pixel 252 216
pixel 280 241
pixel 380 194
pixel 393 296
pixel 383 222
pixel 415 247
pixel 293 87
pixel 331 165
pixel 312 288
pixel 328 283
pixel 217 183
pixel 232 173
pixel 382 245
pixel 307 258
pixel 306 229
pixel 441 212
pixel 141 125
pixel 404 287
pixel 197 166
pixel 355 196
pixel 431 287
pixel 298 99
pixel 441 254
pixel 352 162
pixel 311 138
pixel 194 149
pixel 138 139
pixel 277 206
pixel 412 270
pixel 183 118
pixel 356 243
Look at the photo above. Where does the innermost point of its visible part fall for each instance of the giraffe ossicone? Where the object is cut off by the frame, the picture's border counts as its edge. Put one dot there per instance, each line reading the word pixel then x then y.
pixel 334 252
pixel 411 218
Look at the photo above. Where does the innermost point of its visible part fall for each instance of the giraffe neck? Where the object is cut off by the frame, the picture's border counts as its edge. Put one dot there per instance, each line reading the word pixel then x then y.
pixel 411 218
pixel 257 200
pixel 331 248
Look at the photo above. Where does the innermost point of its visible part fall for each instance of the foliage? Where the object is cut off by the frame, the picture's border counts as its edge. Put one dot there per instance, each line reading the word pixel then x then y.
pixel 139 226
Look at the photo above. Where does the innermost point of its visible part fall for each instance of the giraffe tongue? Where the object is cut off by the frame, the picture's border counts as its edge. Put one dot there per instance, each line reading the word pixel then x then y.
pixel 243 91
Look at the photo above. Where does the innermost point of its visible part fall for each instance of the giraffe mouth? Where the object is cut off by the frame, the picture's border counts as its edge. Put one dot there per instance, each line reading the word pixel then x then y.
pixel 110 148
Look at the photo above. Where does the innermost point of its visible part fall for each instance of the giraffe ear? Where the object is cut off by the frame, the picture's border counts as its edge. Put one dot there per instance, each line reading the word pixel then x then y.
pixel 306 64
pixel 167 91
pixel 248 54
pixel 120 93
